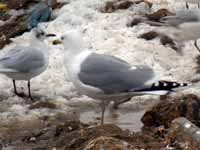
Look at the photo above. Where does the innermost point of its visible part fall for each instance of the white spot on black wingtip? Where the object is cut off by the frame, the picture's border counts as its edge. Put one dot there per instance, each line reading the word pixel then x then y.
pixel 174 84
pixel 156 84
pixel 165 84
pixel 183 84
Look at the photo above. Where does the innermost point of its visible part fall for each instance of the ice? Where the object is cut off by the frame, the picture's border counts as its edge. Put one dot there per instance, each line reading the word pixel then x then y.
pixel 106 33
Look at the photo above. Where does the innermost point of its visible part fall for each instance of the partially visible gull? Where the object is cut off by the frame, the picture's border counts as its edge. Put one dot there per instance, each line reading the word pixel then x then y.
pixel 183 26
pixel 108 78
pixel 26 62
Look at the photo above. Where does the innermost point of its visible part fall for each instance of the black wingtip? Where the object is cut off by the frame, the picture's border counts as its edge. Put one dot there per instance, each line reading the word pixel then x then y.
pixel 164 86
pixel 167 85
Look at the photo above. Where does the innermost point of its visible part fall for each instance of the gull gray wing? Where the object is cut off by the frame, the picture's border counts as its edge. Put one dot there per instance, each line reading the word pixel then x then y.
pixel 112 75
pixel 22 59
pixel 182 17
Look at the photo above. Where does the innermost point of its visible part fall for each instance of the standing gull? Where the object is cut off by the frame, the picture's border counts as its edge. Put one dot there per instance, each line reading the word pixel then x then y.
pixel 108 78
pixel 24 63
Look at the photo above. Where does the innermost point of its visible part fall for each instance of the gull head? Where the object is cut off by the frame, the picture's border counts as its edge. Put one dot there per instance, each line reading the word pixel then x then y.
pixel 73 41
pixel 39 34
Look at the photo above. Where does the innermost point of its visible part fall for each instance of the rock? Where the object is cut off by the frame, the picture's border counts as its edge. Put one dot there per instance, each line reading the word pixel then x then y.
pixel 171 108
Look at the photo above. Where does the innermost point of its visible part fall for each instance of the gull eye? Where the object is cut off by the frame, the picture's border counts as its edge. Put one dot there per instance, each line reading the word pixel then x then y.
pixel 62 38
pixel 42 33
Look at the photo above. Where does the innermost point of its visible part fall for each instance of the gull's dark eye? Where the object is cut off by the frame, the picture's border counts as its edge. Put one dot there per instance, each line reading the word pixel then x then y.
pixel 62 38
pixel 42 33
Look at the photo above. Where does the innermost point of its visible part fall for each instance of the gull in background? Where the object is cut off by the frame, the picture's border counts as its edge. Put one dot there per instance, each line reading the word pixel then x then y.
pixel 26 62
pixel 108 78
pixel 183 26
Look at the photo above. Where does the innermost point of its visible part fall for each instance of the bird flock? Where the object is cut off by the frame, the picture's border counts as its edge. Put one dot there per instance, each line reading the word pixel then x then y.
pixel 99 76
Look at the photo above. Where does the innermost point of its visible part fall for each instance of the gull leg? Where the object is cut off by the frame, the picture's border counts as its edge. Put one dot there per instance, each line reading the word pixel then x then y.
pixel 15 89
pixel 186 5
pixel 116 104
pixel 196 45
pixel 29 90
pixel 103 106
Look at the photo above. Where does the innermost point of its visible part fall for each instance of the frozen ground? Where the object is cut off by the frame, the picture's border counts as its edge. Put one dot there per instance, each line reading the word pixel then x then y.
pixel 104 33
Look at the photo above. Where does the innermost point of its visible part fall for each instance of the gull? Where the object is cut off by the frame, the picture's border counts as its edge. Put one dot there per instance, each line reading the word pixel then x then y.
pixel 108 78
pixel 26 62
pixel 183 26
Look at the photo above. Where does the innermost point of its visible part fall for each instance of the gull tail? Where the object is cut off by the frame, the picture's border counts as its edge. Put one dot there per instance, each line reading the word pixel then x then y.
pixel 162 87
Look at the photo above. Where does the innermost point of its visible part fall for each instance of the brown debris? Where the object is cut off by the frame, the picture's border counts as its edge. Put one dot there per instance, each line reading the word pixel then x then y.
pixel 73 135
pixel 58 133
pixel 151 19
pixel 43 104
pixel 149 35
pixel 112 6
pixel 4 15
pixel 11 29
pixel 155 16
pixel 164 39
pixel 167 110
pixel 108 143
pixel 17 4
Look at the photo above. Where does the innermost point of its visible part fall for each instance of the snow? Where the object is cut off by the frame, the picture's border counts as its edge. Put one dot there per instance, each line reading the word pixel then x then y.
pixel 104 33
